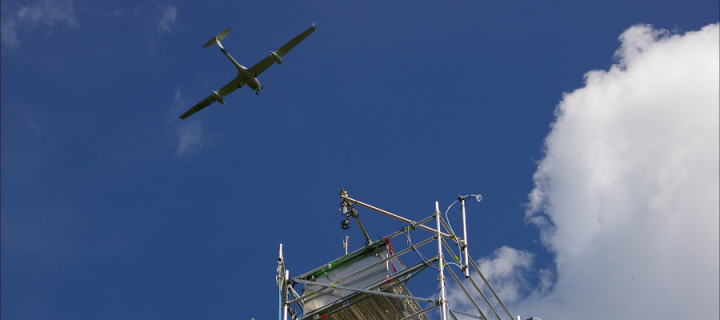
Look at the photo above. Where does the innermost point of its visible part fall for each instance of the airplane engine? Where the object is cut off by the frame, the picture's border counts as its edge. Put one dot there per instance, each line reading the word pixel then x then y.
pixel 219 98
pixel 276 57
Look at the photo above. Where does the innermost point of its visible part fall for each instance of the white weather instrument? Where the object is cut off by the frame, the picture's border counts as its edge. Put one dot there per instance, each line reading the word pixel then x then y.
pixel 245 76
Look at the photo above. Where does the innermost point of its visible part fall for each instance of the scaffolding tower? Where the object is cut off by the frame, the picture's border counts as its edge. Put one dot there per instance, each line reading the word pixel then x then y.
pixel 371 283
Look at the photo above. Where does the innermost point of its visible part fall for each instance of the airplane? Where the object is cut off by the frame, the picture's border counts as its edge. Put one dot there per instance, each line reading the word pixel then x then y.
pixel 245 76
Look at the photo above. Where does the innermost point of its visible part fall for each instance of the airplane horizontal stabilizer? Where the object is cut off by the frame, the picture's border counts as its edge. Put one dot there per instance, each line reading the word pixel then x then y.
pixel 219 37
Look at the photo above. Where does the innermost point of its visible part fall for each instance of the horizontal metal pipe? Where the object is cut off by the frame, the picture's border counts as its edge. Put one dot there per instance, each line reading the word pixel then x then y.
pixel 404 251
pixel 392 235
pixel 345 301
pixel 375 264
pixel 379 293
pixel 412 225
pixel 392 215
pixel 421 266
pixel 400 274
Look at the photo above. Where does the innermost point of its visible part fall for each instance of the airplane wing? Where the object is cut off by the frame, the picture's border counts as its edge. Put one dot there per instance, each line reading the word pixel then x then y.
pixel 206 102
pixel 269 60
pixel 225 90
pixel 230 87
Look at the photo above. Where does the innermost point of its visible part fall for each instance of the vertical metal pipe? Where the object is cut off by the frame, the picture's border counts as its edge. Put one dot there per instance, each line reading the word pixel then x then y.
pixel 441 277
pixel 466 267
pixel 285 283
pixel 280 302
pixel 280 280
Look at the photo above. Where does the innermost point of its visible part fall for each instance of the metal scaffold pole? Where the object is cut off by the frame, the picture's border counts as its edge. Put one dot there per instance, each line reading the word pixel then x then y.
pixel 280 279
pixel 365 284
pixel 441 276
pixel 286 276
pixel 464 242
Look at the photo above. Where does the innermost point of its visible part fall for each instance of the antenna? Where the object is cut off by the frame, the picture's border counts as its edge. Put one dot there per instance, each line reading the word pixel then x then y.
pixel 346 244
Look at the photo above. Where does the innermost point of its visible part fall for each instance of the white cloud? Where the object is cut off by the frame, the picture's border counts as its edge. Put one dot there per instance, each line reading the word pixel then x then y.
pixel 627 196
pixel 44 13
pixel 188 136
pixel 506 271
pixel 8 32
pixel 168 19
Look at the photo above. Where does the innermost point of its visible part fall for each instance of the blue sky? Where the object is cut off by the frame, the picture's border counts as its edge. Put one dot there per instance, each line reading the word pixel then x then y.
pixel 106 214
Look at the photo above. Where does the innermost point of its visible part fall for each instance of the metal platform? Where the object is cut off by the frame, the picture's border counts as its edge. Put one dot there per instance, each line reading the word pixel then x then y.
pixel 371 283
pixel 371 307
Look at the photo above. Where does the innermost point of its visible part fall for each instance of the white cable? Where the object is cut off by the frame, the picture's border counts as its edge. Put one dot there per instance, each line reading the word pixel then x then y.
pixel 409 243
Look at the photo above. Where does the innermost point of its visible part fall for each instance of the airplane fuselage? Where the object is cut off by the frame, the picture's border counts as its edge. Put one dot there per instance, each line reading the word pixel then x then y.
pixel 248 79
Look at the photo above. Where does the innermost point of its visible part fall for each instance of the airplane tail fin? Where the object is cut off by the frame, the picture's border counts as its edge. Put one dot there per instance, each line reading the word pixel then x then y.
pixel 217 38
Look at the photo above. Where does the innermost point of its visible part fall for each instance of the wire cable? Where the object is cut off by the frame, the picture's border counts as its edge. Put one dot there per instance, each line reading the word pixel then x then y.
pixel 423 258
pixel 478 197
